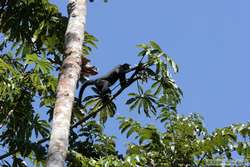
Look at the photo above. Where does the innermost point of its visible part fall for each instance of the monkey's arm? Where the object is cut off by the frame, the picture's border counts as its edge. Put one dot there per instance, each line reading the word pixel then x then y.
pixel 122 79
pixel 139 67
pixel 122 74
pixel 85 84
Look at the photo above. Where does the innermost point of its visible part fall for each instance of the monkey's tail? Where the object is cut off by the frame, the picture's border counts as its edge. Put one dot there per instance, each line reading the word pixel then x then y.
pixel 85 84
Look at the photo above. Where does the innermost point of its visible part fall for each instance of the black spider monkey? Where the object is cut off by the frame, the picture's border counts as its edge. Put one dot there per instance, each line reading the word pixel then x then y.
pixel 103 83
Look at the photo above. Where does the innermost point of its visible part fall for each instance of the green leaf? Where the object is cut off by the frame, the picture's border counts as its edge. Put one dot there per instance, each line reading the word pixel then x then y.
pixel 103 116
pixel 135 104
pixel 172 63
pixel 142 53
pixel 142 46
pixel 38 31
pixel 130 132
pixel 131 100
pixel 124 126
pixel 111 109
pixel 132 94
pixel 31 58
pixel 92 101
pixel 155 45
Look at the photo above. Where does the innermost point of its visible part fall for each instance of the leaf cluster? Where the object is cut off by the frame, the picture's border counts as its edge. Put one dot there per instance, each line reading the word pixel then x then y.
pixel 31 47
pixel 30 55
pixel 163 92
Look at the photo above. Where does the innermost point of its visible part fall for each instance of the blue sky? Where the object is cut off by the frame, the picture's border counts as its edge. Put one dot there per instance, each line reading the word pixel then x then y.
pixel 209 40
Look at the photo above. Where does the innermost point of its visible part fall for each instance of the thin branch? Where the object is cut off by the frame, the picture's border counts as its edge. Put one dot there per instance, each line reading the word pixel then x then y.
pixel 131 80
pixel 131 69
pixel 90 115
pixel 202 158
pixel 123 88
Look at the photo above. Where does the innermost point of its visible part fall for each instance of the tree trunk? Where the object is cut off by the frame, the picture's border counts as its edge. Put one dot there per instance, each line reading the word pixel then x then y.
pixel 69 75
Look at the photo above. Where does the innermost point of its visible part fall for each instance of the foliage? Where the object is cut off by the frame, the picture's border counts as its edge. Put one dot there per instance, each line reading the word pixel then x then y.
pixel 30 56
pixel 31 47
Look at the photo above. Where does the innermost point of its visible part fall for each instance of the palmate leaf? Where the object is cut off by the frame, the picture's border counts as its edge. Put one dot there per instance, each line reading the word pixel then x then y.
pixel 168 90
pixel 166 115
pixel 92 127
pixel 148 133
pixel 91 101
pixel 101 105
pixel 40 126
pixel 123 127
pixel 90 40
pixel 107 110
pixel 128 125
pixel 154 54
pixel 163 83
pixel 144 100
pixel 91 97
pixel 155 45
pixel 171 62
pixel 41 64
pixel 134 101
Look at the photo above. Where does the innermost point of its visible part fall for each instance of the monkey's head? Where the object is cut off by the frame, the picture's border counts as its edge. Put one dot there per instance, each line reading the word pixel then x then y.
pixel 126 66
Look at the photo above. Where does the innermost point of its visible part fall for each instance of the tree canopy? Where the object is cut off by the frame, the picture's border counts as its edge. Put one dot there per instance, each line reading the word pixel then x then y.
pixel 31 55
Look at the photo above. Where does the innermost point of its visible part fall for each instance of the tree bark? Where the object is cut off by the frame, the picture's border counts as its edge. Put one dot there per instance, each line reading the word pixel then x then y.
pixel 68 78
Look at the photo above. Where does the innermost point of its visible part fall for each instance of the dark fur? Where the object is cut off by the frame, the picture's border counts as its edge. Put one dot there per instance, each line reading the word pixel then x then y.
pixel 103 83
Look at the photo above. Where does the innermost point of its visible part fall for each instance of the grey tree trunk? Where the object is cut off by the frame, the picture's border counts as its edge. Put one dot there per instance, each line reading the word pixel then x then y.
pixel 70 72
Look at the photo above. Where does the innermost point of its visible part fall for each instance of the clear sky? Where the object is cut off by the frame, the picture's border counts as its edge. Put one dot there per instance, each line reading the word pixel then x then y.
pixel 209 40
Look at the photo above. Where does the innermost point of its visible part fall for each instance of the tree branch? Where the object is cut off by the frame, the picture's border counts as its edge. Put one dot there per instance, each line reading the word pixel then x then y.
pixel 131 80
pixel 90 115
pixel 202 158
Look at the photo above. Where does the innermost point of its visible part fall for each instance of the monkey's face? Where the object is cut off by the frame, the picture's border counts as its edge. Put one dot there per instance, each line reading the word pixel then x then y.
pixel 126 66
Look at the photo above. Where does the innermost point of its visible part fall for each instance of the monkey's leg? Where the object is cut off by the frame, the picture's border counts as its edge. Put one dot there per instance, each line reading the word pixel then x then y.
pixel 105 88
pixel 122 79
